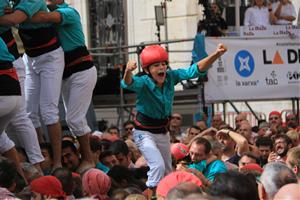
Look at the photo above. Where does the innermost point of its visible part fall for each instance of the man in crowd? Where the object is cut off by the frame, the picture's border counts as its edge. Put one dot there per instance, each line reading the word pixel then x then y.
pixel 282 144
pixel 265 146
pixel 176 133
pixel 293 161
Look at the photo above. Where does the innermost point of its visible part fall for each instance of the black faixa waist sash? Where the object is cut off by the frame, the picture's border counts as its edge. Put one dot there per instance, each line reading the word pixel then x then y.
pixel 9 82
pixel 39 41
pixel 155 126
pixel 77 60
pixel 10 42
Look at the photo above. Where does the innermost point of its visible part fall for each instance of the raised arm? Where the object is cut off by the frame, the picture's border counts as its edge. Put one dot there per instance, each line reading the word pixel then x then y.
pixel 131 66
pixel 241 142
pixel 45 17
pixel 13 19
pixel 205 63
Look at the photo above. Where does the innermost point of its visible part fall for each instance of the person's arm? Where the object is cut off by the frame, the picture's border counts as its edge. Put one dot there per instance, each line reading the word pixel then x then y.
pixel 205 63
pixel 45 17
pixel 13 19
pixel 131 66
pixel 287 18
pixel 272 17
pixel 242 143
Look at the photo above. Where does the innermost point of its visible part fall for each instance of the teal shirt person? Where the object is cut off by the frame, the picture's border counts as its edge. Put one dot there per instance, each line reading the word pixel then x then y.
pixel 3 5
pixel 70 29
pixel 30 7
pixel 4 54
pixel 157 102
pixel 210 170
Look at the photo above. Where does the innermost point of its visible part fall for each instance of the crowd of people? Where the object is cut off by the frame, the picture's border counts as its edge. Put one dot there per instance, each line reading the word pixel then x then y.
pixel 152 157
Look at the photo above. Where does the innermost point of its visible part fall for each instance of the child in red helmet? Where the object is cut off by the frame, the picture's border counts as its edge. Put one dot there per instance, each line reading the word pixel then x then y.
pixel 155 94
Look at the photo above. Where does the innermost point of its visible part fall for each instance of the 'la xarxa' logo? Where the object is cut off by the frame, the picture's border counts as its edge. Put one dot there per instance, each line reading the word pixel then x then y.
pixel 244 63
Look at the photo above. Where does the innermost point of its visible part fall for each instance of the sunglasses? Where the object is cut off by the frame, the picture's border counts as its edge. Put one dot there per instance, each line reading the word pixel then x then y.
pixel 175 117
pixel 127 129
pixel 271 118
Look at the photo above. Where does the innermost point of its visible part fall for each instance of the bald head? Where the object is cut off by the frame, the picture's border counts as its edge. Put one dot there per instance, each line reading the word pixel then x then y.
pixel 239 118
pixel 288 192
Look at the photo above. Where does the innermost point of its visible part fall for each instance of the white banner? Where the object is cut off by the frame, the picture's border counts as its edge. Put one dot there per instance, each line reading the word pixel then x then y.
pixel 254 69
pixel 271 31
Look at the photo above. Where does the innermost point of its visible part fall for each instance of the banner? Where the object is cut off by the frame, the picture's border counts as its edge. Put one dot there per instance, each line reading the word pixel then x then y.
pixel 271 31
pixel 254 69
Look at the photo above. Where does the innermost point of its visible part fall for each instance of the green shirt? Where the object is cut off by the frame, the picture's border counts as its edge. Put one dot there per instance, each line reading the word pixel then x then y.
pixel 156 102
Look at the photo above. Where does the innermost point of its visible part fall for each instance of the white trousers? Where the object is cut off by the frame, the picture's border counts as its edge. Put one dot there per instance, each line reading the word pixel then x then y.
pixel 77 92
pixel 9 106
pixel 5 143
pixel 20 129
pixel 43 86
pixel 156 151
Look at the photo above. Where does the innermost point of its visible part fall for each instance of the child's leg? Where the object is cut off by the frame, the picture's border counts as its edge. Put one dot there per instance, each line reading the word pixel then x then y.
pixel 145 141
pixel 163 144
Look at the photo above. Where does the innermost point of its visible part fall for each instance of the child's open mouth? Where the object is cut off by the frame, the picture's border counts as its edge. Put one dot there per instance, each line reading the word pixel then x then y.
pixel 161 74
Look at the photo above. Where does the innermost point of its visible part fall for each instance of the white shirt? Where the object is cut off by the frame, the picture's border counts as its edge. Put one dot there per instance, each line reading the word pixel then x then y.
pixel 255 16
pixel 286 10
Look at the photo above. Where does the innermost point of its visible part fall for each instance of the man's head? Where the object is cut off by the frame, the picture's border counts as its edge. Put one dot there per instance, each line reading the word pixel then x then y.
pixel 176 120
pixel 8 173
pixel 109 159
pixel 199 149
pixel 265 146
pixel 239 118
pixel 295 137
pixel 70 156
pixel 120 149
pixel 216 121
pixel 227 142
pixel 263 128
pixel 47 153
pixel 274 176
pixel 247 158
pixel 282 143
pixel 288 192
pixel 275 119
pixel 245 130
pixel 293 160
pixel 192 132
pixel 128 127
pixel 113 130
pixel 291 121
pixel 65 177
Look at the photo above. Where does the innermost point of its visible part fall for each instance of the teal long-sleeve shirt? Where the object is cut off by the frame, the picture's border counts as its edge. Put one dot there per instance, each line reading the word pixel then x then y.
pixel 156 102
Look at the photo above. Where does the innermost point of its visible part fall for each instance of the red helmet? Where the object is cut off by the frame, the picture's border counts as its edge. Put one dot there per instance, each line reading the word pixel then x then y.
pixel 153 54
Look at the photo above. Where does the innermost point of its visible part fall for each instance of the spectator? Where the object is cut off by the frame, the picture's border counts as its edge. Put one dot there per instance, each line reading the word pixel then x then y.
pixel 66 179
pixel 96 149
pixel 192 132
pixel 120 149
pixel 282 144
pixel 234 145
pixel 284 12
pixel 265 147
pixel 176 133
pixel 246 131
pixel 264 129
pixel 258 15
pixel 217 20
pixel 96 184
pixel 181 190
pixel 274 176
pixel 70 156
pixel 217 121
pixel 291 121
pixel 238 119
pixel 128 128
pixel 275 121
pixel 293 161
pixel 288 192
pixel 47 164
pixel 235 184
pixel 203 161
pixel 8 173
pixel 47 187
pixel 173 179
pixel 246 159
pixel 108 159
pixel 114 130
pixel 294 136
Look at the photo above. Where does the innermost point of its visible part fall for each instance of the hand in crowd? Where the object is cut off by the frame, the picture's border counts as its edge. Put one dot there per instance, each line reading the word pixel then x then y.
pixel 210 131
pixel 272 157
